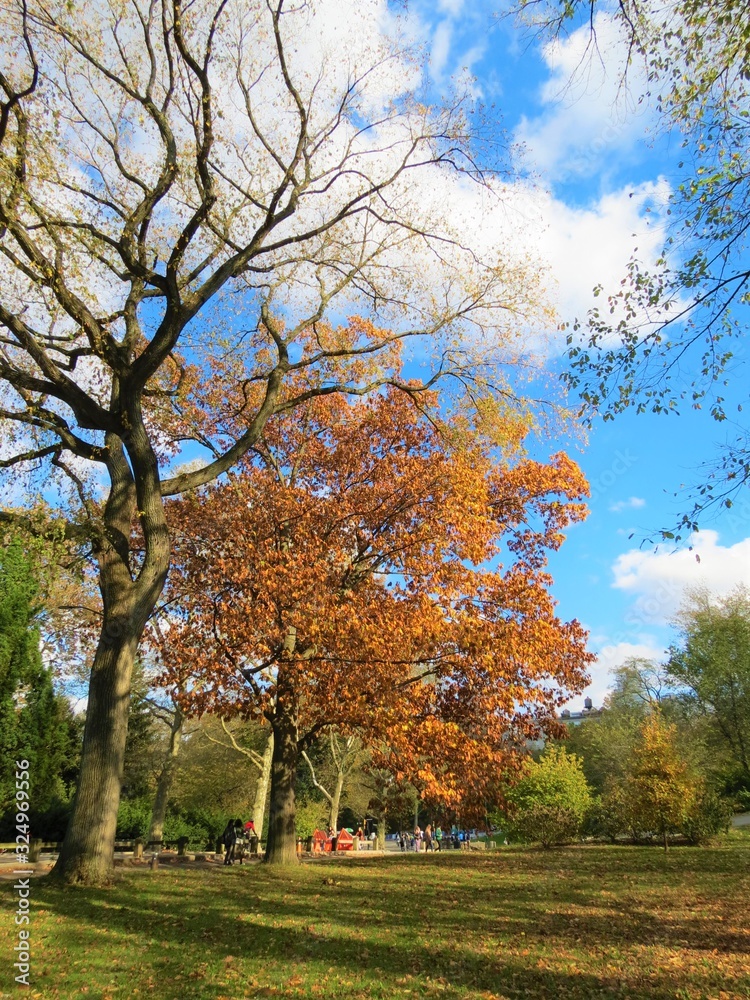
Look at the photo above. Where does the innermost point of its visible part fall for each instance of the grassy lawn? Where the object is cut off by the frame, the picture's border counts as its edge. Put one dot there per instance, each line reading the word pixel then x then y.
pixel 580 922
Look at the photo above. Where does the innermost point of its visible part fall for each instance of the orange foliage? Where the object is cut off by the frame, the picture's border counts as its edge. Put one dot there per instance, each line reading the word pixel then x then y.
pixel 384 584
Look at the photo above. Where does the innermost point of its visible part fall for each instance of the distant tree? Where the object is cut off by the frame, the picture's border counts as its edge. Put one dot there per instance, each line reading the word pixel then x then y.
pixel 640 685
pixel 603 742
pixel 552 800
pixel 142 747
pixel 36 722
pixel 254 743
pixel 709 816
pixel 170 716
pixel 611 814
pixel 659 787
pixel 713 663
pixel 392 799
pixel 19 656
pixel 345 754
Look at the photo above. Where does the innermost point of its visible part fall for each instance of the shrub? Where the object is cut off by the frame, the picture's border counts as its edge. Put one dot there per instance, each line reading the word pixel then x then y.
pixel 548 824
pixel 49 823
pixel 709 816
pixel 202 828
pixel 310 815
pixel 608 816
pixel 133 818
pixel 552 800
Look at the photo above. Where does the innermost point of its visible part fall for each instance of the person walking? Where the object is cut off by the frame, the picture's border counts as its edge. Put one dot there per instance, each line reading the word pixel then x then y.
pixel 439 837
pixel 230 842
pixel 428 837
pixel 417 839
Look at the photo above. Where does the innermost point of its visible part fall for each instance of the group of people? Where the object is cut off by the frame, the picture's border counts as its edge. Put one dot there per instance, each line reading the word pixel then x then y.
pixel 432 839
pixel 235 835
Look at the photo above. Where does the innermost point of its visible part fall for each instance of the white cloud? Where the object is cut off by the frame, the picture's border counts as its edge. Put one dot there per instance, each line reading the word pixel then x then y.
pixel 658 580
pixel 592 246
pixel 441 43
pixel 571 249
pixel 591 111
pixel 632 503
pixel 452 7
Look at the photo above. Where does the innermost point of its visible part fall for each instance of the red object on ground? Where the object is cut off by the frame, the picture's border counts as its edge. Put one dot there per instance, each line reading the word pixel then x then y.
pixel 321 842
pixel 345 841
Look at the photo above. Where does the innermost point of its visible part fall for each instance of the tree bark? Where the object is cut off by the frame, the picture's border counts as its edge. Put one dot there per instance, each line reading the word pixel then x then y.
pixel 87 852
pixel 381 832
pixel 336 799
pixel 261 789
pixel 166 777
pixel 281 848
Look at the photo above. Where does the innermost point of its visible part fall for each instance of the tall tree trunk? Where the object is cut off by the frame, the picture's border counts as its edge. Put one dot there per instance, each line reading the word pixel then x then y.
pixel 261 789
pixel 87 853
pixel 281 848
pixel 381 831
pixel 166 777
pixel 336 799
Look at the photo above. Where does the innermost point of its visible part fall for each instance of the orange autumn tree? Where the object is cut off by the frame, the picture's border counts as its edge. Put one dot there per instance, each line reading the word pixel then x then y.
pixel 357 572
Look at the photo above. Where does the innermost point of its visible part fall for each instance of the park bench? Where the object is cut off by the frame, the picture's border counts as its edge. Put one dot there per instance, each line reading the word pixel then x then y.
pixel 36 846
pixel 137 846
pixel 120 845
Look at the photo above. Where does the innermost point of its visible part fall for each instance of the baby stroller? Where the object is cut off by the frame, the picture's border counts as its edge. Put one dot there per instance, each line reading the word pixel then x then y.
pixel 241 846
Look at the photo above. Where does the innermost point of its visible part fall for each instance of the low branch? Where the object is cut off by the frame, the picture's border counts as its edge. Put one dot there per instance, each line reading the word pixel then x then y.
pixel 251 755
pixel 315 781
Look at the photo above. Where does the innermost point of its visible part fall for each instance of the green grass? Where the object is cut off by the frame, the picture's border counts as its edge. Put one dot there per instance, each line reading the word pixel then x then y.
pixel 595 921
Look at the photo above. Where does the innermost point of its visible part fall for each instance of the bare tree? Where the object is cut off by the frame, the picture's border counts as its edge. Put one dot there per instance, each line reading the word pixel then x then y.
pixel 172 717
pixel 347 754
pixel 186 191
pixel 260 761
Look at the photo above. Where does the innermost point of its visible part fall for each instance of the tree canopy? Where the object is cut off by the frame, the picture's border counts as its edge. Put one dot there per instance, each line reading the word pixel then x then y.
pixel 186 192
pixel 713 663
pixel 360 573
pixel 658 786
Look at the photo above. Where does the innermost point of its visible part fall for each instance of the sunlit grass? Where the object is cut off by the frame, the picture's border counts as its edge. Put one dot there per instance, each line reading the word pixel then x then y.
pixel 580 922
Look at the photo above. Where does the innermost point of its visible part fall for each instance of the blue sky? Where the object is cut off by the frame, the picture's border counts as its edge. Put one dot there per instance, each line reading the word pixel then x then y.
pixel 604 169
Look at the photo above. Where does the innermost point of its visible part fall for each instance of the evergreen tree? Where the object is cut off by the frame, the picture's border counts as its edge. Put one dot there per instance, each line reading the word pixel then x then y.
pixel 20 658
pixel 36 722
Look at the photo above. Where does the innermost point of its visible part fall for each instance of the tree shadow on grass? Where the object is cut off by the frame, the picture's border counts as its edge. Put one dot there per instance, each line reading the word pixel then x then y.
pixel 385 927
